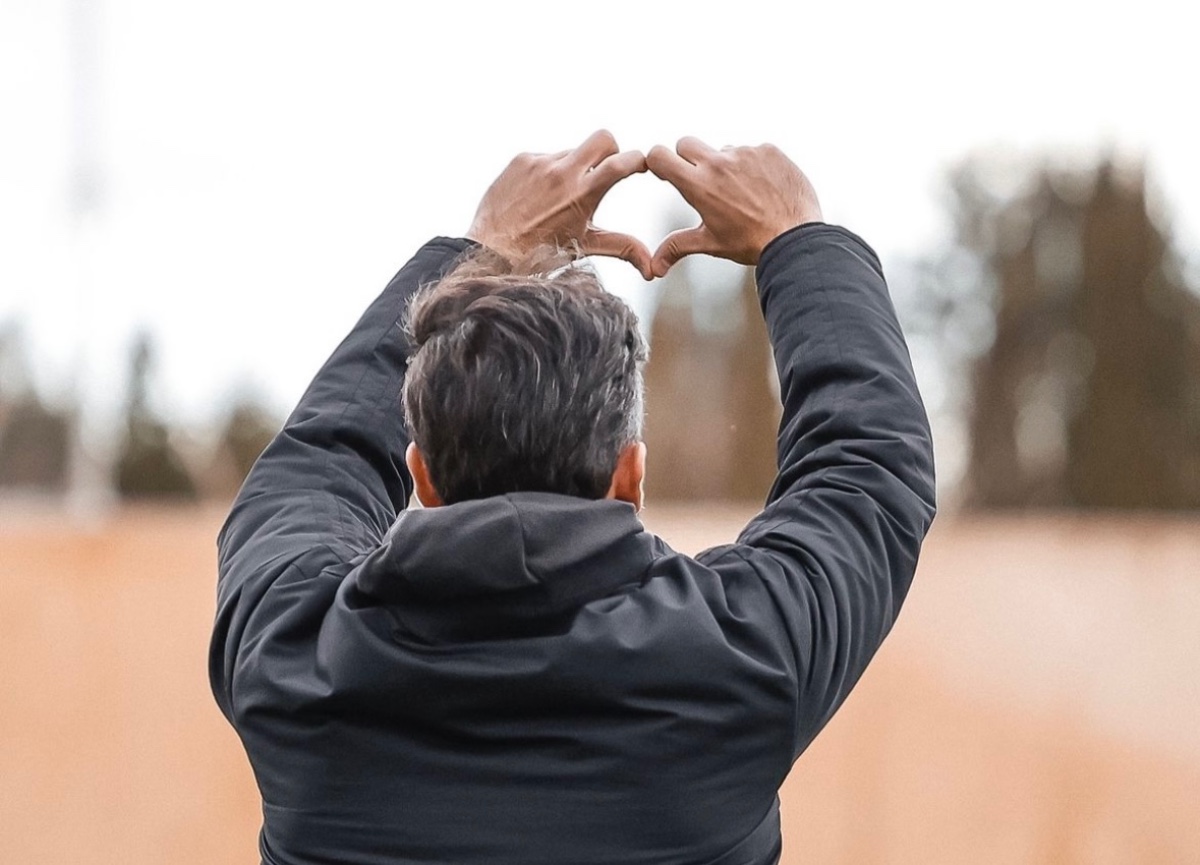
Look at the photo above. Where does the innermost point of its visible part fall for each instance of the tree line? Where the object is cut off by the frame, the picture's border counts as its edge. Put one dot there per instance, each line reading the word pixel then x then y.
pixel 1060 312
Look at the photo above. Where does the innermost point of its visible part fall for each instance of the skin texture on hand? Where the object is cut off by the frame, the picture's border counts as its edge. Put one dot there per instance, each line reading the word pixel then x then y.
pixel 746 197
pixel 551 198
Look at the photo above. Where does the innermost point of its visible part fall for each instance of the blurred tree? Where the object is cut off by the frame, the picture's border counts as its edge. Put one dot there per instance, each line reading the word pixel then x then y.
pixel 34 443
pixel 712 409
pixel 148 466
pixel 1067 308
pixel 250 428
pixel 34 438
pixel 246 433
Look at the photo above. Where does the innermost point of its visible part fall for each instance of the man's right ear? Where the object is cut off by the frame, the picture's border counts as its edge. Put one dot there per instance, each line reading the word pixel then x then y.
pixel 426 494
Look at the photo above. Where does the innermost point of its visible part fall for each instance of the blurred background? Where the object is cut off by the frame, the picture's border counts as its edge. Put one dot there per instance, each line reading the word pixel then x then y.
pixel 197 201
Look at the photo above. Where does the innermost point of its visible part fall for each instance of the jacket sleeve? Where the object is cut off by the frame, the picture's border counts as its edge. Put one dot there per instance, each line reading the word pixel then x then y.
pixel 837 543
pixel 327 489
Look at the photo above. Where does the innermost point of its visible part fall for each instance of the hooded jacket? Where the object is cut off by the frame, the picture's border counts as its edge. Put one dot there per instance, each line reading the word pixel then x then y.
pixel 535 678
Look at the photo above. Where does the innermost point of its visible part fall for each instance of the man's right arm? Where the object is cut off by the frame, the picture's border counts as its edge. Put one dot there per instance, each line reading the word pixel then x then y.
pixel 837 543
pixel 834 550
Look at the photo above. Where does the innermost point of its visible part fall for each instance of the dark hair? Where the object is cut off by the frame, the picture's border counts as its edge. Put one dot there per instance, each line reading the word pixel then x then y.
pixel 524 377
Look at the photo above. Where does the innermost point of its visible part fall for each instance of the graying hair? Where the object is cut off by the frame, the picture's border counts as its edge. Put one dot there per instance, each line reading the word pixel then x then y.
pixel 524 376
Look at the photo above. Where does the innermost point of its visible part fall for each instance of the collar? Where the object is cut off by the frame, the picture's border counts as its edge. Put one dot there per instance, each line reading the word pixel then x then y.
pixel 518 564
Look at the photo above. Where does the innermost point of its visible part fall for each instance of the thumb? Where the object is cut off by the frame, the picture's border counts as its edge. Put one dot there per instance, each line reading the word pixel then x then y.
pixel 677 244
pixel 616 245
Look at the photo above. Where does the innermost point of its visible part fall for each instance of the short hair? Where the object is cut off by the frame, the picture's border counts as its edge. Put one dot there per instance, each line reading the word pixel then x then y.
pixel 523 377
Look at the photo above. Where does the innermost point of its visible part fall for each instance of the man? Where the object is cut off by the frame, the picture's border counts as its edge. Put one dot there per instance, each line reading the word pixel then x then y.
pixel 519 672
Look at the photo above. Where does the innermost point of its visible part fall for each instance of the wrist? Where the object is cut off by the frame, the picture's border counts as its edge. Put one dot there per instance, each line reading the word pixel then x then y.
pixel 498 244
pixel 786 238
pixel 797 219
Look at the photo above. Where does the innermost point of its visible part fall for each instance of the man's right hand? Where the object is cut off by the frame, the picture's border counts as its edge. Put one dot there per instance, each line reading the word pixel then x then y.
pixel 551 198
pixel 746 197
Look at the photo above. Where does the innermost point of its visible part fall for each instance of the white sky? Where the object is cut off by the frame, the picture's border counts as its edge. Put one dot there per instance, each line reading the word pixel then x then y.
pixel 269 165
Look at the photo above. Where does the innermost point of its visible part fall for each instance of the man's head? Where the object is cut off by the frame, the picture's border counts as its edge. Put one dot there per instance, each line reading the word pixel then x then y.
pixel 524 379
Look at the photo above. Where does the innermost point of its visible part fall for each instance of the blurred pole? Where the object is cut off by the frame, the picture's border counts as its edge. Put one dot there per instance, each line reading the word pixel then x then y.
pixel 89 482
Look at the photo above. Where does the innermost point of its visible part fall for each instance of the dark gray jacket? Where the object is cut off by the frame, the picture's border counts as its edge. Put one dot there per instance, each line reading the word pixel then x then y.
pixel 536 678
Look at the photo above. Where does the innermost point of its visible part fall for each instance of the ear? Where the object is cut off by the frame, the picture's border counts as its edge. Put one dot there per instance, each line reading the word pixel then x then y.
pixel 628 476
pixel 426 494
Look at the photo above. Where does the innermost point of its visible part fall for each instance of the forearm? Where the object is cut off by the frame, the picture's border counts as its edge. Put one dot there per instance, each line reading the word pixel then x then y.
pixel 846 381
pixel 337 468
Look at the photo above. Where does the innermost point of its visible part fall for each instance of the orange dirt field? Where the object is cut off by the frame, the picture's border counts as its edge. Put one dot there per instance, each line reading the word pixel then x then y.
pixel 1038 701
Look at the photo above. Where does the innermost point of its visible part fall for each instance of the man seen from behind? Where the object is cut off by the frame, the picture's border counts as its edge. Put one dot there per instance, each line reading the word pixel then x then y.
pixel 519 672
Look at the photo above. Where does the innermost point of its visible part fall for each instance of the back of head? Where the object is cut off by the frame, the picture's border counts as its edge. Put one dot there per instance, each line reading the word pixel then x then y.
pixel 523 378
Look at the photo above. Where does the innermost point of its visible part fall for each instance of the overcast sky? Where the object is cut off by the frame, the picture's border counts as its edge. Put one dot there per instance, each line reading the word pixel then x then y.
pixel 266 167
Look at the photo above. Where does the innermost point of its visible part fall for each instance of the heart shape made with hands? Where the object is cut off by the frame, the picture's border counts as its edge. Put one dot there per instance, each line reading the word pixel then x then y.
pixel 746 196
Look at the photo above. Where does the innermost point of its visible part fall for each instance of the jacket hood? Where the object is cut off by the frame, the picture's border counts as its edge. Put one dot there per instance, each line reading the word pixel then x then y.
pixel 511 565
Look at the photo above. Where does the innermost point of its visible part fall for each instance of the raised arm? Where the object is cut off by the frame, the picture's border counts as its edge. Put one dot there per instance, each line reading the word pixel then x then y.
pixel 335 475
pixel 834 550
pixel 328 487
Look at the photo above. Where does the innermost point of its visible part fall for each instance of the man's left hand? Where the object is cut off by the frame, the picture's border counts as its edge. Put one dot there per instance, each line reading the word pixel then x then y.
pixel 551 198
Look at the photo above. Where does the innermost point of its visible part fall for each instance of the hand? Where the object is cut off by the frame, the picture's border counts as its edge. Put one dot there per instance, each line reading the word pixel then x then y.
pixel 551 198
pixel 746 197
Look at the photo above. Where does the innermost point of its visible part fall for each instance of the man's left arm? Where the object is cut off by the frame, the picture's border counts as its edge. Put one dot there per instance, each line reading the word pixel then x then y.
pixel 329 486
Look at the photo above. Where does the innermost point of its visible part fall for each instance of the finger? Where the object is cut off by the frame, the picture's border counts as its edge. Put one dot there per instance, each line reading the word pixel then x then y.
pixel 694 150
pixel 616 245
pixel 669 166
pixel 678 244
pixel 616 168
pixel 595 149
